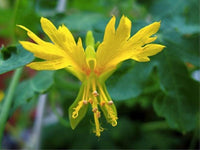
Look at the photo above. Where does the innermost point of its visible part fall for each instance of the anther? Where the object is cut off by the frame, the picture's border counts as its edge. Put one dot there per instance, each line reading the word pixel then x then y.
pixel 76 110
pixel 90 101
pixel 94 109
pixel 74 114
pixel 95 93
pixel 85 102
pixel 98 114
pixel 114 123
pixel 110 102
pixel 102 103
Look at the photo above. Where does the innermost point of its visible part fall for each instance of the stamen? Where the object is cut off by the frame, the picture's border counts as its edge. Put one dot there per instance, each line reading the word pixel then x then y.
pixel 114 123
pixel 110 102
pixel 111 115
pixel 99 129
pixel 102 103
pixel 90 101
pixel 94 109
pixel 98 113
pixel 76 109
pixel 85 102
pixel 95 93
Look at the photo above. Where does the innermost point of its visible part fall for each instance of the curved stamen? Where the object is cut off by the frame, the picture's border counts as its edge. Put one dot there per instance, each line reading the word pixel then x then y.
pixel 108 106
pixel 111 115
pixel 99 129
pixel 76 110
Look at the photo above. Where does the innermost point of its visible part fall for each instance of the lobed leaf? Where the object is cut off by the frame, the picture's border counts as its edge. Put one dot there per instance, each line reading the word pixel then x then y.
pixel 42 81
pixel 178 103
pixel 27 89
pixel 130 84
pixel 15 57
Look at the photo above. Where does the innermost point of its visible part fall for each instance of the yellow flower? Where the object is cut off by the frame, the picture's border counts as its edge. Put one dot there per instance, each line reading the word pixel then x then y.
pixel 92 67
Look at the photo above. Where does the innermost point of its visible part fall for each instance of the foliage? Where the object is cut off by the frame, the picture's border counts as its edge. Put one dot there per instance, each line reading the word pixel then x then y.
pixel 11 58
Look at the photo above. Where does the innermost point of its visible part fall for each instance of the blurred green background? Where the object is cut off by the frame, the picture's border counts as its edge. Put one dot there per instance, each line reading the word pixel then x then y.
pixel 157 101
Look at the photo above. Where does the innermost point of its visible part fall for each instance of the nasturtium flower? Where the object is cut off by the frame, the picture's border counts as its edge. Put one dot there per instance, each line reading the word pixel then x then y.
pixel 92 67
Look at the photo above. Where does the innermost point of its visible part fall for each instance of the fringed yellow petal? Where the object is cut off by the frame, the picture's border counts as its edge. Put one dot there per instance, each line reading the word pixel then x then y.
pixel 51 31
pixel 65 40
pixel 46 51
pixel 61 36
pixel 110 29
pixel 147 50
pixel 143 35
pixel 68 35
pixel 63 46
pixel 123 30
pixel 113 44
pixel 118 46
pixel 49 65
pixel 79 67
pixel 79 54
pixel 141 58
pixel 151 49
pixel 32 35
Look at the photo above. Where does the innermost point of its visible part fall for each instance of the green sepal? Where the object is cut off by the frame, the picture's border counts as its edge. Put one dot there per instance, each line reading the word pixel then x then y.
pixel 90 57
pixel 82 111
pixel 103 108
pixel 90 39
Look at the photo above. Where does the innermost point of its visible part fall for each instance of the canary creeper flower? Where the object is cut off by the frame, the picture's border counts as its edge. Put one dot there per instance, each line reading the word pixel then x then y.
pixel 92 67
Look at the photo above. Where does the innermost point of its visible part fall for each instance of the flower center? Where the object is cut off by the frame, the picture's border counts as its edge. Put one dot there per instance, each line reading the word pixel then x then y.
pixel 96 95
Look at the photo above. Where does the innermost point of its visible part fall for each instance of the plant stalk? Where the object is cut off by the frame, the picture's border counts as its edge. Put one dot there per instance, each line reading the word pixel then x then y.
pixel 8 101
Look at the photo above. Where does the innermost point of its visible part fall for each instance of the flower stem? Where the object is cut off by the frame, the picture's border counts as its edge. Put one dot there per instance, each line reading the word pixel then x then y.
pixel 8 101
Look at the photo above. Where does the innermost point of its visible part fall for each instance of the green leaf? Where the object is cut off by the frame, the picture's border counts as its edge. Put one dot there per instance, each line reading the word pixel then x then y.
pixel 82 112
pixel 14 58
pixel 156 139
pixel 82 21
pixel 163 8
pixel 186 48
pixel 178 103
pixel 191 12
pixel 179 24
pixel 131 84
pixel 23 93
pixel 42 81
pixel 27 89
